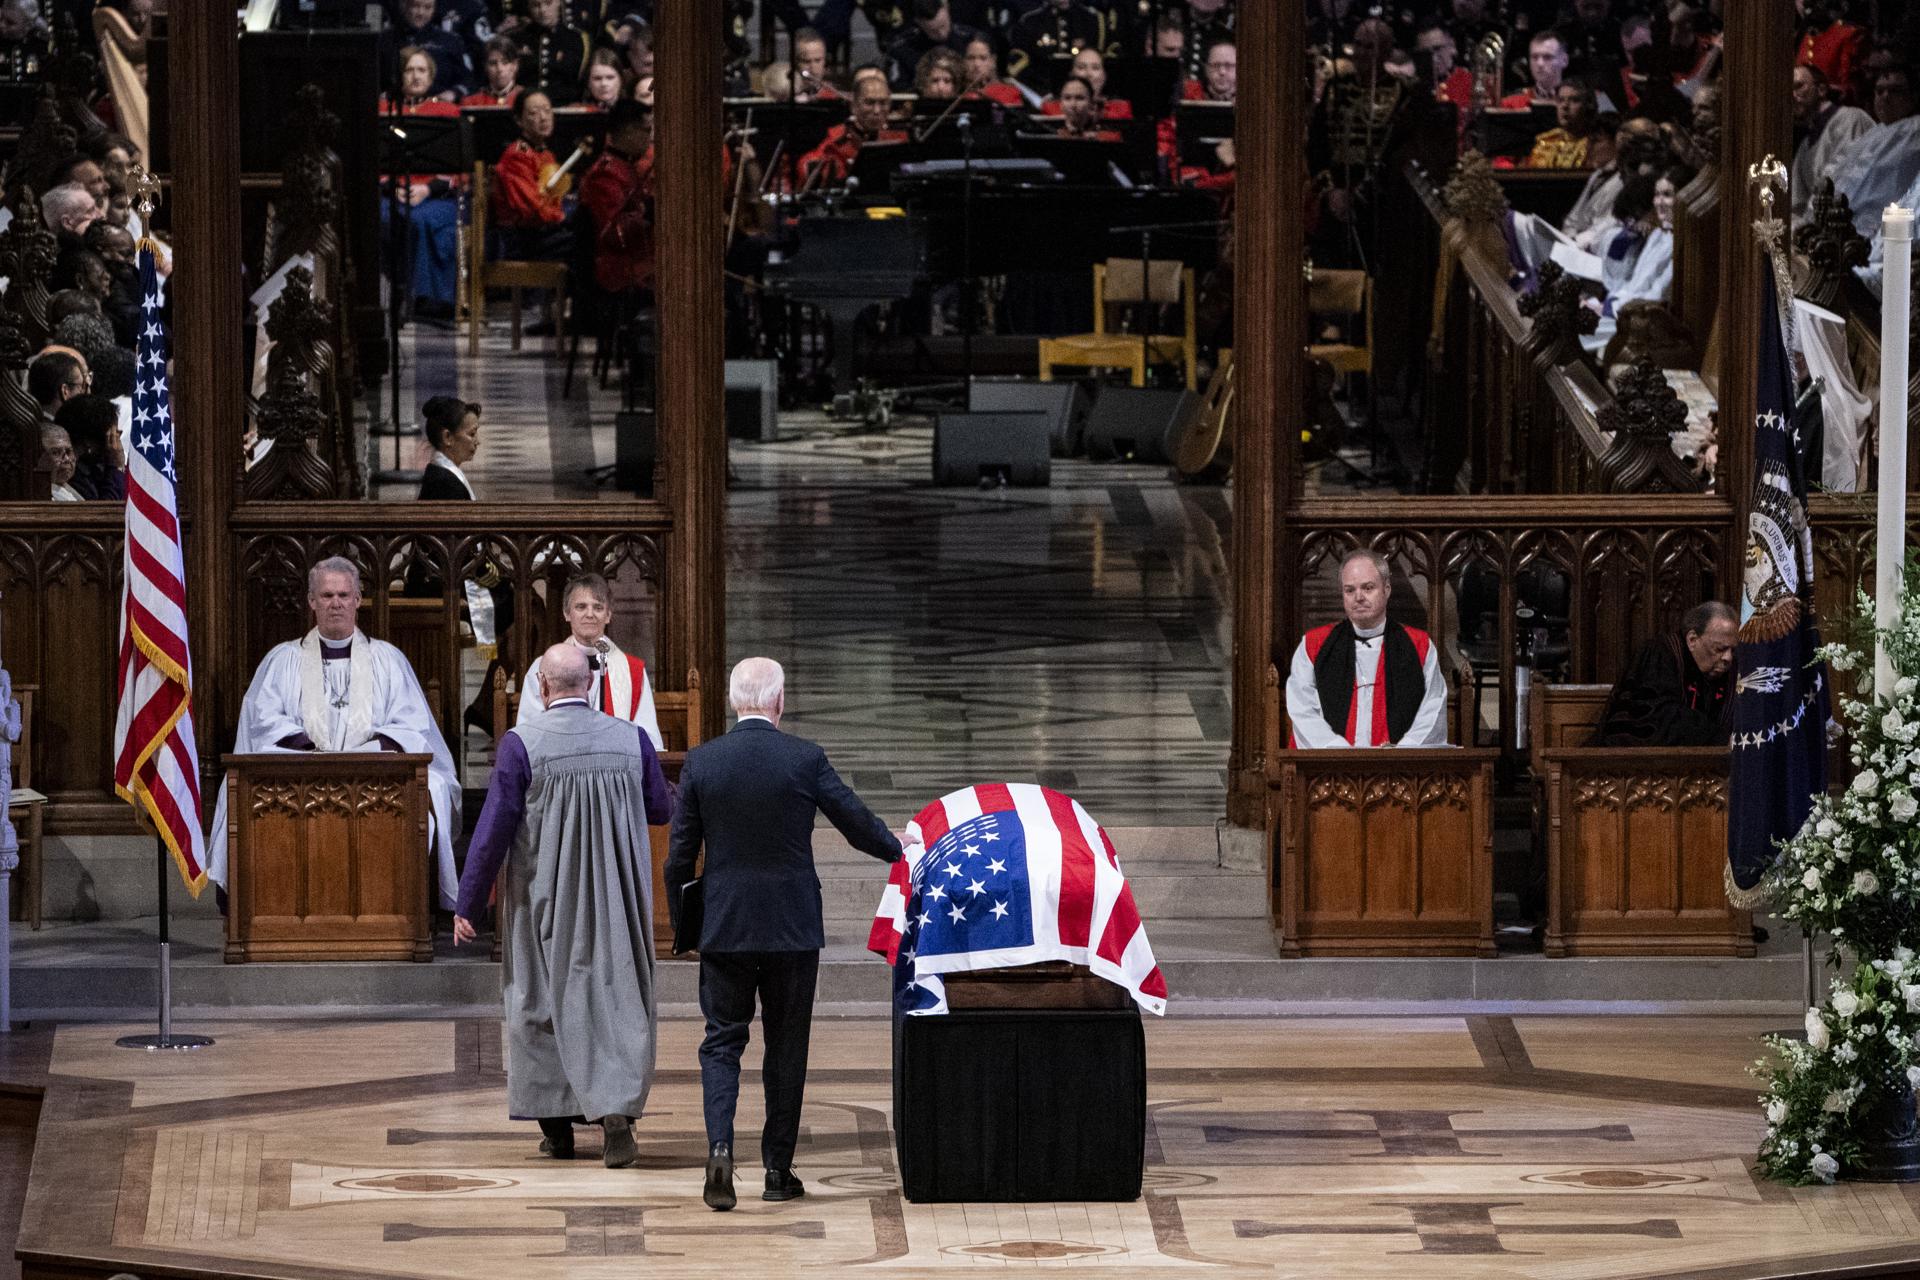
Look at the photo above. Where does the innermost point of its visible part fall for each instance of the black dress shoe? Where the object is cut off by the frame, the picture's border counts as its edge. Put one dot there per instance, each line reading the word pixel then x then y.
pixel 783 1185
pixel 620 1151
pixel 558 1141
pixel 719 1191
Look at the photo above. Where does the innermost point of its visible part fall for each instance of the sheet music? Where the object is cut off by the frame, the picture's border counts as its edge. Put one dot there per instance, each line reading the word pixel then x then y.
pixel 1576 262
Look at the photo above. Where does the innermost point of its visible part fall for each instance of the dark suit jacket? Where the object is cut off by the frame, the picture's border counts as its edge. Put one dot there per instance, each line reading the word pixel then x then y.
pixel 437 484
pixel 750 797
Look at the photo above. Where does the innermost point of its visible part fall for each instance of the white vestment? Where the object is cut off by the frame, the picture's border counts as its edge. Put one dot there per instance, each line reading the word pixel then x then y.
pixel 612 691
pixel 1310 727
pixel 1875 168
pixel 346 704
pixel 1815 157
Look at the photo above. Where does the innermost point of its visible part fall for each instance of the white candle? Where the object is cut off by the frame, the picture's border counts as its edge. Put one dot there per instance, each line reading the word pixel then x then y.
pixel 1896 233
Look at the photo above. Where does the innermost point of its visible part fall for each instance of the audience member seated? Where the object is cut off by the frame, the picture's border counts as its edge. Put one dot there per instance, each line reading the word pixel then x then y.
pixel 1638 148
pixel 606 81
pixel 57 460
pixel 1822 129
pixel 86 173
pixel 829 163
pixel 528 208
pixel 432 210
pixel 1376 679
pixel 937 78
pixel 1568 145
pixel 809 67
pixel 932 28
pixel 55 377
pixel 414 28
pixel 339 690
pixel 1638 263
pixel 1092 68
pixel 68 211
pixel 982 66
pixel 621 687
pixel 119 256
pixel 1547 63
pixel 1677 692
pixel 1221 72
pixel 617 193
pixel 502 69
pixel 92 424
pixel 554 52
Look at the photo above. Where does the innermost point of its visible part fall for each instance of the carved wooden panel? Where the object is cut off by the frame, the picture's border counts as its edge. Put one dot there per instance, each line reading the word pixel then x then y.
pixel 1385 852
pixel 328 857
pixel 1637 839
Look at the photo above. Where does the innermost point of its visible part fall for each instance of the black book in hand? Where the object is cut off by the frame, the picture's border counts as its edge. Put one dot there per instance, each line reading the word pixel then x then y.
pixel 693 911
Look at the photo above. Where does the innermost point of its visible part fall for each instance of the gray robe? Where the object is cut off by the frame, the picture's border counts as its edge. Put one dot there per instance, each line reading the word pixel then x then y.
pixel 578 901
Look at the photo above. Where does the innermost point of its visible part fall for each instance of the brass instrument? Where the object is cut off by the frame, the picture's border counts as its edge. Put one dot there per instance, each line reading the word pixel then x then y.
pixel 1489 54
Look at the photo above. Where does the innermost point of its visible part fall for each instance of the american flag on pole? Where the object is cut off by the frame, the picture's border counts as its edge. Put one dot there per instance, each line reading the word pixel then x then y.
pixel 1009 874
pixel 156 765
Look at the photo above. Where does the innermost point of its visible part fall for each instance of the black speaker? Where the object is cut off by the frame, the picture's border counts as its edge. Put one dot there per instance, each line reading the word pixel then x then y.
pixel 752 400
pixel 1131 423
pixel 1062 402
pixel 633 451
pixel 968 447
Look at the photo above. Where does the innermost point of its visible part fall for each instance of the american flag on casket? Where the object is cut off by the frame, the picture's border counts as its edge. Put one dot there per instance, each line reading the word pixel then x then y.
pixel 1006 874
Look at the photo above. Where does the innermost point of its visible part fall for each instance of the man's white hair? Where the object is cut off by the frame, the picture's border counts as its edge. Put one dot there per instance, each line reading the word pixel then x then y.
pixel 1379 562
pixel 333 564
pixel 755 685
pixel 69 197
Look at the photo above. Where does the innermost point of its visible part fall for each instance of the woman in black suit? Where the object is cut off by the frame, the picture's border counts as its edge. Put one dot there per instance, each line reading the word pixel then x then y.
pixel 452 427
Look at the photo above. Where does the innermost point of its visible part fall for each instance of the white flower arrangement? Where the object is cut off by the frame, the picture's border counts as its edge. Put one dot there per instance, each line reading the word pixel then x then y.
pixel 1852 872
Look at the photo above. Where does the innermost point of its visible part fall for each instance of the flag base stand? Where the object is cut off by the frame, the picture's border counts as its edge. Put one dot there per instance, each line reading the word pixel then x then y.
pixel 165 1041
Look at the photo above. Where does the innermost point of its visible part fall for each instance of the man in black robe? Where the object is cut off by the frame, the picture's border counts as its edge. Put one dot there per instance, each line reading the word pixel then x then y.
pixel 1677 691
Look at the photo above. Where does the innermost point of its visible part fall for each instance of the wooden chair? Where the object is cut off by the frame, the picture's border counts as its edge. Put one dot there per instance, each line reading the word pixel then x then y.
pixel 1348 295
pixel 26 808
pixel 512 274
pixel 1118 282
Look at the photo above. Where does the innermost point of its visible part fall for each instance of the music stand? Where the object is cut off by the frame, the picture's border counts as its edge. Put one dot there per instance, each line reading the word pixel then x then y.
pixel 1083 162
pixel 1148 85
pixel 1201 126
pixel 1511 133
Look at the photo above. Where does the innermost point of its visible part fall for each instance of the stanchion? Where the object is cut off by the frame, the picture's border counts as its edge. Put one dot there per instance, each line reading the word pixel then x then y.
pixel 165 1041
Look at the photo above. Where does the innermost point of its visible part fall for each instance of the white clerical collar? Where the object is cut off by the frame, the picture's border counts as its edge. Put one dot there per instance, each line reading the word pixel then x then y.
pixel 753 715
pixel 573 701
pixel 440 459
pixel 1370 633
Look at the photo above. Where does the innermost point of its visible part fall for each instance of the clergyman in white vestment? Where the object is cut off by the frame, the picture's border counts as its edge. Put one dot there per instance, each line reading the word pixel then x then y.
pixel 337 690
pixel 621 687
pixel 1367 681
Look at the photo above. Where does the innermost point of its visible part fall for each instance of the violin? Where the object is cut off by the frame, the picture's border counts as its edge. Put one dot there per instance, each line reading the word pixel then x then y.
pixel 556 180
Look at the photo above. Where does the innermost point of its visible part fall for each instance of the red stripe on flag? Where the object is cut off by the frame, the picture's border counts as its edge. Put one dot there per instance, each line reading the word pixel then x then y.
pixel 885 935
pixel 994 797
pixel 155 512
pixel 1121 926
pixel 932 822
pixel 1076 870
pixel 1154 984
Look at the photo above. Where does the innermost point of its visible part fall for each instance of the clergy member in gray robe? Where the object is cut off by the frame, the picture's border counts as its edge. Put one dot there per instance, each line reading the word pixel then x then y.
pixel 338 690
pixel 567 812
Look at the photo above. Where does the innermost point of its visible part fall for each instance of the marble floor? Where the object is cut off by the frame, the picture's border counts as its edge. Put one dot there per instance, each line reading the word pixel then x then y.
pixel 1324 1147
pixel 1077 635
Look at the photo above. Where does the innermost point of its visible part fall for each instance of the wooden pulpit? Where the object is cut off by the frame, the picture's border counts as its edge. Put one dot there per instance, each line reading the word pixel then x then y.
pixel 1636 851
pixel 1385 852
pixel 327 856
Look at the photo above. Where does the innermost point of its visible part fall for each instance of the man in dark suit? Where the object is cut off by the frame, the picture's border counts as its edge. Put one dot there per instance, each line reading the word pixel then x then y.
pixel 749 796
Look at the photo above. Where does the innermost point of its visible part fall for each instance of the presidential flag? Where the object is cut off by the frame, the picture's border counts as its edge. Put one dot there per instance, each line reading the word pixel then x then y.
pixel 1005 874
pixel 156 765
pixel 1779 753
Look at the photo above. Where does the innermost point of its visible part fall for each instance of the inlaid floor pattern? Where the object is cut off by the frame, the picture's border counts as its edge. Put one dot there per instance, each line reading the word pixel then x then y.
pixel 1324 1147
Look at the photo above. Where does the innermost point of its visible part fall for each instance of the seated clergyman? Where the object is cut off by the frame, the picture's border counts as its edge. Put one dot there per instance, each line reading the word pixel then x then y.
pixel 1367 681
pixel 1678 689
pixel 338 690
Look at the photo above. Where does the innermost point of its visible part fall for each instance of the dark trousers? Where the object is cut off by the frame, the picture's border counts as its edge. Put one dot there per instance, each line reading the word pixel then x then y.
pixel 783 981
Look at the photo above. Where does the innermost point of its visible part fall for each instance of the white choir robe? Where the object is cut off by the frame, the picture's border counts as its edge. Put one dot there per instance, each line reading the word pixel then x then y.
pixel 1310 727
pixel 612 691
pixel 288 697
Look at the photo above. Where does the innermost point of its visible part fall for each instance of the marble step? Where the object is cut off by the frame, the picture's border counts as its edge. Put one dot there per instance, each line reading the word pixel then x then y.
pixel 103 971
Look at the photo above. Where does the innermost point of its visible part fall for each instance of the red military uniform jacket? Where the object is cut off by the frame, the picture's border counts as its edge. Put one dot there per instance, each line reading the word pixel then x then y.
pixel 835 154
pixel 618 192
pixel 518 200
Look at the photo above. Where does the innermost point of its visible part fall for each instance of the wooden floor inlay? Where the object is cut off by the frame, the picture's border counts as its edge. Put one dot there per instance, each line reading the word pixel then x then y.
pixel 1325 1147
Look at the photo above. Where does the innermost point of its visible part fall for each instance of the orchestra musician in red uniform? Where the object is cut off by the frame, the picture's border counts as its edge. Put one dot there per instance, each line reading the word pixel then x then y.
pixel 618 195
pixel 503 75
pixel 529 204
pixel 1091 67
pixel 832 160
pixel 1079 114
pixel 433 214
pixel 982 65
